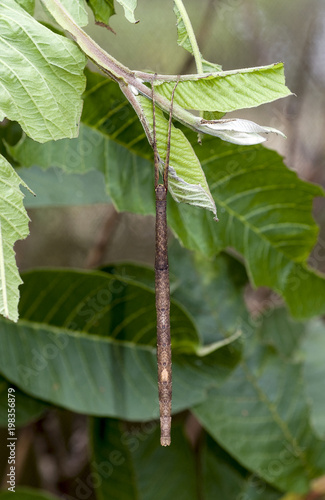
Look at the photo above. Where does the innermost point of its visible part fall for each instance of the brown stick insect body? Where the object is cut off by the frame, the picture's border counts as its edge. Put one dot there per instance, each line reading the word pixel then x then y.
pixel 164 355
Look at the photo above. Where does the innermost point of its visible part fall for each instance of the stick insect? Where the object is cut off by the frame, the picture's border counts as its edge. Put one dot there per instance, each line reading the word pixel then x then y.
pixel 164 356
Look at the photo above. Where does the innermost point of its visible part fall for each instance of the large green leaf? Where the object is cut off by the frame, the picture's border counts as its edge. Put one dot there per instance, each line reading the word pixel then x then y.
pixel 114 118
pixel 265 214
pixel 13 227
pixel 212 290
pixel 224 478
pixel 41 74
pixel 26 409
pixel 264 209
pixel 102 9
pixel 97 303
pixel 228 90
pixel 304 290
pixel 280 331
pixel 314 372
pixel 132 464
pixel 87 343
pixel 261 418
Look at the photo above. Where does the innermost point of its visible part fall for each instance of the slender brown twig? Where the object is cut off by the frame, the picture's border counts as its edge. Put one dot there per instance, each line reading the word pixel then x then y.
pixel 164 356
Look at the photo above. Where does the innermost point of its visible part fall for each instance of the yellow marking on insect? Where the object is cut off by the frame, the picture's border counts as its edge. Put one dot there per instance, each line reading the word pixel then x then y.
pixel 164 375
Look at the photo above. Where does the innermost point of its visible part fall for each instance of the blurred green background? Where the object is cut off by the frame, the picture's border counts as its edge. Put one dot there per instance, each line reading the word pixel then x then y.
pixel 235 34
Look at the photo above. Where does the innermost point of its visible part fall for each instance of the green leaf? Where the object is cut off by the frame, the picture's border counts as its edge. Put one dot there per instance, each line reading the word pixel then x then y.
pixel 89 47
pixel 186 179
pixel 13 227
pixel 27 494
pixel 41 84
pixel 53 187
pixel 129 7
pixel 90 308
pixel 210 67
pixel 212 115
pixel 314 372
pixel 102 9
pixel 132 464
pixel 138 273
pixel 77 11
pixel 212 290
pixel 28 5
pixel 224 478
pixel 26 409
pixel 61 353
pixel 107 110
pixel 228 90
pixel 265 213
pixel 261 418
pixel 304 289
pixel 280 331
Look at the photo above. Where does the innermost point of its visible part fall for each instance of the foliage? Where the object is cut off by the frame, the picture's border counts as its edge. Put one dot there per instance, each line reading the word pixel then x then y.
pixel 13 226
pixel 85 341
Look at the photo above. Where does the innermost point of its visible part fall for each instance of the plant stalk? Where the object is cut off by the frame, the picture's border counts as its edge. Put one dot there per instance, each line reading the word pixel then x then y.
pixel 191 35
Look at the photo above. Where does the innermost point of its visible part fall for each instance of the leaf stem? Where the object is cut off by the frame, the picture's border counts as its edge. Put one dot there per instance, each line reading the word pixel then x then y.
pixel 191 35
